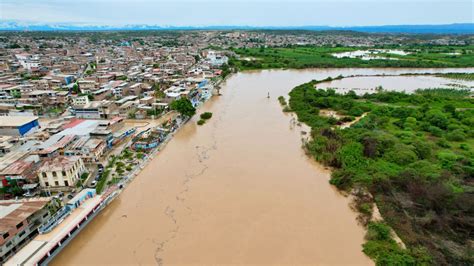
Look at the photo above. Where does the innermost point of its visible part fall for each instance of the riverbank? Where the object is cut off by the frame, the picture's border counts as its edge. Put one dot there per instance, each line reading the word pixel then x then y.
pixel 411 162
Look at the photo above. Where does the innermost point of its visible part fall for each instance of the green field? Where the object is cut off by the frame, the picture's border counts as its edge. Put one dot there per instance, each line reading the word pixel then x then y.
pixel 412 154
pixel 307 57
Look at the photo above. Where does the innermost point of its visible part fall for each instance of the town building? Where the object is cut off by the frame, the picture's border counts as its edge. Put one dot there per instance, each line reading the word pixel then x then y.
pixel 60 171
pixel 18 125
pixel 19 222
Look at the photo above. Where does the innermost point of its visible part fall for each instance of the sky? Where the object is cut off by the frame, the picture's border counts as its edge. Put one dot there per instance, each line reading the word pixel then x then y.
pixel 239 12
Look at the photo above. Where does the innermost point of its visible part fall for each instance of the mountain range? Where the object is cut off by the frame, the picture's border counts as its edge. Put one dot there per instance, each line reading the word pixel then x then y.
pixel 458 28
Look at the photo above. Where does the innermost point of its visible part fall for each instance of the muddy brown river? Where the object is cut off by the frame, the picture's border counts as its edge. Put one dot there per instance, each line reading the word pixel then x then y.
pixel 237 190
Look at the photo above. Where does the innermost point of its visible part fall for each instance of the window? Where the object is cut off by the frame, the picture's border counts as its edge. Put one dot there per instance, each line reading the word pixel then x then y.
pixel 19 225
pixel 56 183
pixel 6 235
pixel 66 183
pixel 46 184
pixel 9 244
pixel 22 233
pixel 44 175
pixel 45 215
pixel 54 174
pixel 64 173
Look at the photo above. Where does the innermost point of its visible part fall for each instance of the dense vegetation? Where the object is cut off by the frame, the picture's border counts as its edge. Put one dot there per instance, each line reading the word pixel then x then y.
pixel 413 155
pixel 184 107
pixel 312 56
pixel 204 117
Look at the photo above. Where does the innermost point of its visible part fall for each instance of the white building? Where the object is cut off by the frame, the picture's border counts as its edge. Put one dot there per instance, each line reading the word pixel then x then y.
pixel 80 100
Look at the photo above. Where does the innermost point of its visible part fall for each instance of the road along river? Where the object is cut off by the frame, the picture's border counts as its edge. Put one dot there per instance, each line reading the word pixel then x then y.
pixel 237 190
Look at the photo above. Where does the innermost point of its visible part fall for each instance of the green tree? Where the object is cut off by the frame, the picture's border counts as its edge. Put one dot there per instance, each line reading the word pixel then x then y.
pixel 184 107
pixel 75 89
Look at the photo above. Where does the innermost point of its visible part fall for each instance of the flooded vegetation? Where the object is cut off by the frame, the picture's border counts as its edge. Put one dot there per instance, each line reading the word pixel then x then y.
pixel 369 84
pixel 371 54
pixel 408 153
pixel 239 190
pixel 414 56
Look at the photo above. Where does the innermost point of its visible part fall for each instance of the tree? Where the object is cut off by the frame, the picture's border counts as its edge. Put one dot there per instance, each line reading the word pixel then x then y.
pixel 75 89
pixel 159 94
pixel 184 107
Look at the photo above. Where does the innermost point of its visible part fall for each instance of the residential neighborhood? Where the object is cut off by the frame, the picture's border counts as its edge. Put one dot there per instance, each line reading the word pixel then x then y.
pixel 85 115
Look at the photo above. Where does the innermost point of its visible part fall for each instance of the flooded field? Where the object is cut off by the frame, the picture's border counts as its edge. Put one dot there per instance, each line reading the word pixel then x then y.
pixel 237 190
pixel 395 83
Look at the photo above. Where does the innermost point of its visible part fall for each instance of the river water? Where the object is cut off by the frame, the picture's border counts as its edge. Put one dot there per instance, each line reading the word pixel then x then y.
pixel 237 190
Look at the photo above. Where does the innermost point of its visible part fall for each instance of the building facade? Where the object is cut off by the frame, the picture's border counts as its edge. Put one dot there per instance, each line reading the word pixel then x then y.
pixel 61 171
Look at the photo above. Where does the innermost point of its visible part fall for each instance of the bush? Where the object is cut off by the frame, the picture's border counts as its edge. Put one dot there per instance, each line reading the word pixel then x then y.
pixel 401 155
pixel 456 135
pixel 206 115
pixel 201 122
pixel 436 131
pixel 383 249
pixel 282 100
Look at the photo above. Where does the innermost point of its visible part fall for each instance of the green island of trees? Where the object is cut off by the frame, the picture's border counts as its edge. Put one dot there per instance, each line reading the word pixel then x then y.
pixel 321 56
pixel 412 155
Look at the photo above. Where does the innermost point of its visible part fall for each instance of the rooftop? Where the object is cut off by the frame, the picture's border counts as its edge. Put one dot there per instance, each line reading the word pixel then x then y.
pixel 58 163
pixel 16 121
pixel 13 212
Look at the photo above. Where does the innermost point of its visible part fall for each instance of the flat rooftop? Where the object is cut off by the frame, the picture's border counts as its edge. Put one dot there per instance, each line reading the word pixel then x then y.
pixel 16 121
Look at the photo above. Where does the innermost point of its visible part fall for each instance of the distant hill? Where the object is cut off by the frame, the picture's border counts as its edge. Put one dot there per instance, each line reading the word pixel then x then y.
pixel 460 28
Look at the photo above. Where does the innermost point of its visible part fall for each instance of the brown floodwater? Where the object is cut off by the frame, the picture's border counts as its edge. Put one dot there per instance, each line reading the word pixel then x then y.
pixel 237 190
pixel 407 84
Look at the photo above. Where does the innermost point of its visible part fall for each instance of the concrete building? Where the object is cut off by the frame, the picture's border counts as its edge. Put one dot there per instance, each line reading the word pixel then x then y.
pixel 80 100
pixel 61 171
pixel 19 222
pixel 90 150
pixel 18 125
pixel 96 110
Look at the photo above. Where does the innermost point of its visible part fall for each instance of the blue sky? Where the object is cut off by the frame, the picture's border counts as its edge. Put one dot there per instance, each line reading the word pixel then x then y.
pixel 240 12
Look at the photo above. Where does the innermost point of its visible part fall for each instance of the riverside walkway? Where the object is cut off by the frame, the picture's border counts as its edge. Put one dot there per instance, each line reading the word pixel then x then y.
pixel 45 246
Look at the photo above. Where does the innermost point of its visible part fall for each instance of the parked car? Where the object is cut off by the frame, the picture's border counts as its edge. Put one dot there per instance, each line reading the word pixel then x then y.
pixel 94 183
pixel 30 194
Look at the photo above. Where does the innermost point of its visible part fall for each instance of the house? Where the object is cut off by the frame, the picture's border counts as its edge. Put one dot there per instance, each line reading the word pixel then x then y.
pixel 96 110
pixel 87 85
pixel 60 171
pixel 80 100
pixel 22 171
pixel 90 150
pixel 19 222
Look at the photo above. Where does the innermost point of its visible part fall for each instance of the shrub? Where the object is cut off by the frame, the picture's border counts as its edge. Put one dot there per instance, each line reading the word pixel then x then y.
pixel 206 115
pixel 201 122
pixel 436 131
pixel 401 155
pixel 456 135
pixel 282 100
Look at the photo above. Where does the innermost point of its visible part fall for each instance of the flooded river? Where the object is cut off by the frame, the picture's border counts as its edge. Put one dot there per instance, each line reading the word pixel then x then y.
pixel 238 190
